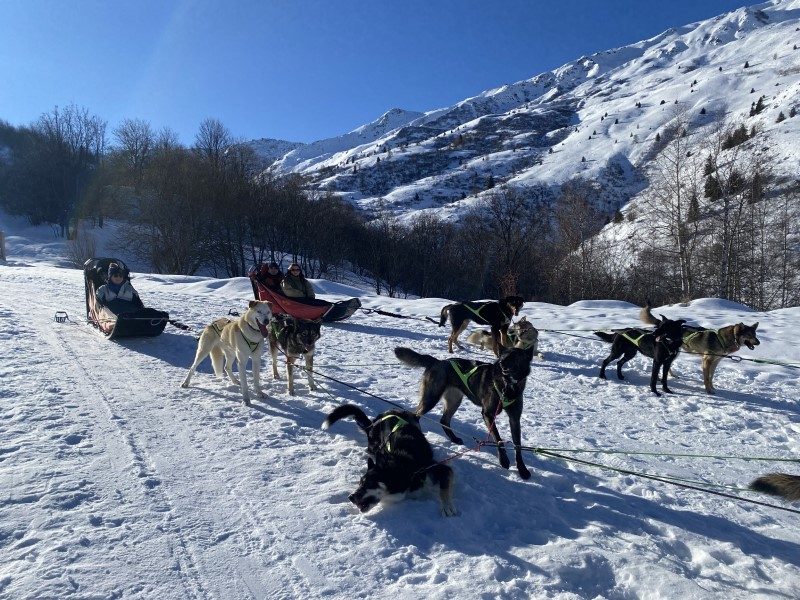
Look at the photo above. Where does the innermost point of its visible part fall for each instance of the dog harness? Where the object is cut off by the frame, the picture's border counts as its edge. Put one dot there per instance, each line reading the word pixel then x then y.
pixel 506 318
pixel 506 401
pixel 218 325
pixel 252 345
pixel 634 341
pixel 464 377
pixel 401 422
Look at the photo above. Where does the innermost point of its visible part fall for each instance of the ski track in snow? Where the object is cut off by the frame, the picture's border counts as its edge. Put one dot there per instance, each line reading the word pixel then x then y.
pixel 118 483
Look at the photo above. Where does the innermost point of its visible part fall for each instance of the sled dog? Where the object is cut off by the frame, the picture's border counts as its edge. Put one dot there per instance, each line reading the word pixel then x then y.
pixel 497 315
pixel 494 387
pixel 399 458
pixel 521 334
pixel 662 345
pixel 294 338
pixel 778 484
pixel 229 340
pixel 711 344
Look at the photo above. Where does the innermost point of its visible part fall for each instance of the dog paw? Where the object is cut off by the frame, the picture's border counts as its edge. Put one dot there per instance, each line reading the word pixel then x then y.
pixel 448 510
pixel 602 376
pixel 247 402
pixel 185 384
pixel 657 393
pixel 667 390
pixel 523 472
pixel 504 461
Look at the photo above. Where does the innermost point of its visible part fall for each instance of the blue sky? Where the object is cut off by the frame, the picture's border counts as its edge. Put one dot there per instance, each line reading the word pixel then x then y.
pixel 298 70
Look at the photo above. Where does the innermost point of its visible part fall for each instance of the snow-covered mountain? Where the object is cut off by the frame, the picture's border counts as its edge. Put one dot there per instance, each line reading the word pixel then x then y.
pixel 306 157
pixel 596 117
pixel 269 150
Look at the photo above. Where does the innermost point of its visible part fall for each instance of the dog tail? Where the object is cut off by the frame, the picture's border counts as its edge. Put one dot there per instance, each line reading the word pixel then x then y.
pixel 348 410
pixel 443 316
pixel 646 315
pixel 414 359
pixel 605 336
pixel 778 484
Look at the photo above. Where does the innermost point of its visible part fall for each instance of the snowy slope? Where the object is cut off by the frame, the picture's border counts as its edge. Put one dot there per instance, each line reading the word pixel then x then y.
pixel 311 154
pixel 599 115
pixel 117 483
pixel 269 150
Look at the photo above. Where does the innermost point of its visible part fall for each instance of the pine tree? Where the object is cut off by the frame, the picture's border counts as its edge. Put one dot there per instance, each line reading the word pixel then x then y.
pixel 703 110
pixel 583 159
pixel 658 137
pixel 490 182
pixel 711 189
pixel 708 168
pixel 792 112
pixel 746 65
pixel 616 121
pixel 781 117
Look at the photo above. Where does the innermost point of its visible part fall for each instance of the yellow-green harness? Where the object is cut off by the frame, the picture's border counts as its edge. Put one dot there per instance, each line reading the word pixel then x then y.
pixel 464 377
pixel 477 312
pixel 401 422
pixel 633 341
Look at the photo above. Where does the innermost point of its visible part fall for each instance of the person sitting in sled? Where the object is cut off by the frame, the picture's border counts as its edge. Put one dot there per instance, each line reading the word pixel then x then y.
pixel 117 288
pixel 271 277
pixel 295 285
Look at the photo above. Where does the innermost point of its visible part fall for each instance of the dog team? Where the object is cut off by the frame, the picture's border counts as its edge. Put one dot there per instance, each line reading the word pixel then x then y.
pixel 399 457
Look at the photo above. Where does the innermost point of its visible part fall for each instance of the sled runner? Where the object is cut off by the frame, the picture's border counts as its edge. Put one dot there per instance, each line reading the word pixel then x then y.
pixel 119 318
pixel 306 308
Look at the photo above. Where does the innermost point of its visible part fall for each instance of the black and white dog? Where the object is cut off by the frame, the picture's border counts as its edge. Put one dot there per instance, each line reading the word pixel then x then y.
pixel 497 315
pixel 494 387
pixel 295 338
pixel 399 458
pixel 661 344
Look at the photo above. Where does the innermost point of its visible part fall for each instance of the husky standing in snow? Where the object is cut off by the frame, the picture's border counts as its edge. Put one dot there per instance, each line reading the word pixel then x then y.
pixel 229 340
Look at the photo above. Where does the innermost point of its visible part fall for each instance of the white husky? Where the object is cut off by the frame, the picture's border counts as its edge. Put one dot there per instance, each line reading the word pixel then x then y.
pixel 235 340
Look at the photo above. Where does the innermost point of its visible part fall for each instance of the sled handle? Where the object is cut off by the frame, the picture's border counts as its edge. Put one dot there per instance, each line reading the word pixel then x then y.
pixel 61 316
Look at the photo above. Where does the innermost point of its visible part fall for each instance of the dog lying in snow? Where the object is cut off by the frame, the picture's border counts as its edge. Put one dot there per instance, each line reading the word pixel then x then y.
pixel 399 458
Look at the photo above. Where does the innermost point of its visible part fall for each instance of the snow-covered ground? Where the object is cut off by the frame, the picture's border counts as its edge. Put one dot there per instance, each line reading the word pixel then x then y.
pixel 117 483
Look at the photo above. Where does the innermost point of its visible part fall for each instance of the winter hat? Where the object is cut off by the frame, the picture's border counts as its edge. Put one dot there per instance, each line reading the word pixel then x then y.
pixel 273 264
pixel 115 269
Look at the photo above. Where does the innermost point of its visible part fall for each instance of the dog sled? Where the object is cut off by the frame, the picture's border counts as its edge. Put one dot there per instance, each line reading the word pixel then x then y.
pixel 119 318
pixel 311 309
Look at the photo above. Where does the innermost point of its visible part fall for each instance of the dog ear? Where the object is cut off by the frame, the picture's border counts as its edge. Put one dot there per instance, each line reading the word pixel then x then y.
pixel 252 303
pixel 663 318
pixel 737 329
pixel 755 325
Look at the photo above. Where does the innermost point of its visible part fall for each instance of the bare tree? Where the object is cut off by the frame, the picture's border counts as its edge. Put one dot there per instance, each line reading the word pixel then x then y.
pixel 673 201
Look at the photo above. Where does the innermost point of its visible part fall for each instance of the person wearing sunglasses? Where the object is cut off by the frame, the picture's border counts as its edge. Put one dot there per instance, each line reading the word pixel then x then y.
pixel 295 285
